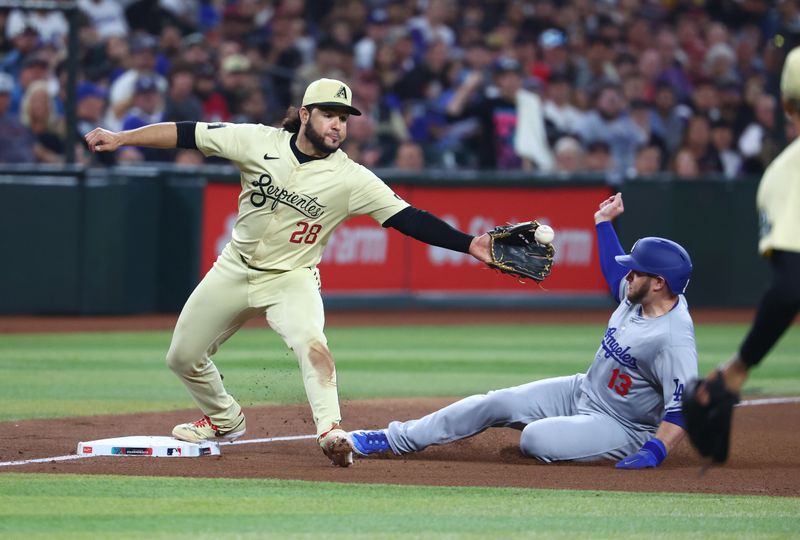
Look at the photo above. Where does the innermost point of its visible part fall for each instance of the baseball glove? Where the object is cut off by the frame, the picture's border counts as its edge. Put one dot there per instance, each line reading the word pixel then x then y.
pixel 515 251
pixel 709 424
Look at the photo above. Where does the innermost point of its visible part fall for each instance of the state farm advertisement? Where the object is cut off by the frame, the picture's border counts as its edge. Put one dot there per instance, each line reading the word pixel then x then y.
pixel 362 256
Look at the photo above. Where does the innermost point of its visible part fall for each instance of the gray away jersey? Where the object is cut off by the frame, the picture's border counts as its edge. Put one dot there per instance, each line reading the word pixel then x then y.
pixel 639 371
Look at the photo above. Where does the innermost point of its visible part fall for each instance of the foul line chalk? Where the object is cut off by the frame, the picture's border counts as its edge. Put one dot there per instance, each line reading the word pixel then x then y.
pixel 747 403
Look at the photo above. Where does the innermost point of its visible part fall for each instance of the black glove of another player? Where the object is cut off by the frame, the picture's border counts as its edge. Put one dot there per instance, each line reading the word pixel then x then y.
pixel 707 412
pixel 515 251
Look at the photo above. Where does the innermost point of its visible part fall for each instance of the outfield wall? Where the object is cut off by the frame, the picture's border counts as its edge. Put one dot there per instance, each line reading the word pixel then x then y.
pixel 137 240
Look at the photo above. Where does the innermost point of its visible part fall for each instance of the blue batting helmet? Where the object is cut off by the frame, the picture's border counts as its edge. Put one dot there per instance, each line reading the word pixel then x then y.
pixel 662 257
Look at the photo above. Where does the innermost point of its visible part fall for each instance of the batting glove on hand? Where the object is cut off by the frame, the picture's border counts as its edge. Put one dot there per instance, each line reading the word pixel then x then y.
pixel 651 454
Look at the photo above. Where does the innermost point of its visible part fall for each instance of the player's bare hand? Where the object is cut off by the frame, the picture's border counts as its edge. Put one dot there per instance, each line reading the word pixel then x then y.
pixel 609 209
pixel 479 248
pixel 102 140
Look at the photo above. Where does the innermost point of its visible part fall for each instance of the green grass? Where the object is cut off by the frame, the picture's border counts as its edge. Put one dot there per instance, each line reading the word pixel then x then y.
pixel 75 374
pixel 82 374
pixel 42 506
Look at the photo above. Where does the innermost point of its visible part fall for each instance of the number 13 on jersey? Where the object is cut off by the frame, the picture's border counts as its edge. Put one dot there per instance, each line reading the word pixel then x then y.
pixel 620 382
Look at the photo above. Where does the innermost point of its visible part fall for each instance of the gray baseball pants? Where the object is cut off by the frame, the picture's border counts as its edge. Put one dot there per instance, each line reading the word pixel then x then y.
pixel 558 423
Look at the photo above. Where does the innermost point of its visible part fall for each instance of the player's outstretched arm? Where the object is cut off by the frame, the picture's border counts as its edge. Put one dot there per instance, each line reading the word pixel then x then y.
pixel 479 248
pixel 162 135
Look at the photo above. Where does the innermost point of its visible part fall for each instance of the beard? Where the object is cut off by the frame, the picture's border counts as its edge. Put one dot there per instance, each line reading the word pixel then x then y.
pixel 636 297
pixel 317 140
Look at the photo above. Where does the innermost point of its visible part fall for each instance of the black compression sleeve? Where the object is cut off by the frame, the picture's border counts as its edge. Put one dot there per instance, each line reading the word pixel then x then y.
pixel 777 308
pixel 428 228
pixel 186 135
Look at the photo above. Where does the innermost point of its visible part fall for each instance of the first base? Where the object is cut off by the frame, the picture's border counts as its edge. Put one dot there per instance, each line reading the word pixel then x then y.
pixel 145 445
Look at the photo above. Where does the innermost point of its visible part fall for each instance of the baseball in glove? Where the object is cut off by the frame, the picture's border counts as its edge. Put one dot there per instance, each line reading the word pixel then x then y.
pixel 707 413
pixel 515 251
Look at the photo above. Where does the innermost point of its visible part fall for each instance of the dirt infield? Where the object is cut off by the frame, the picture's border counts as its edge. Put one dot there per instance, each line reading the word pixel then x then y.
pixel 763 457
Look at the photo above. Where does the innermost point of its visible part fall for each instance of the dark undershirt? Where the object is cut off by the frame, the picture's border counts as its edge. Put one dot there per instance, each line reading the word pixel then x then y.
pixel 428 228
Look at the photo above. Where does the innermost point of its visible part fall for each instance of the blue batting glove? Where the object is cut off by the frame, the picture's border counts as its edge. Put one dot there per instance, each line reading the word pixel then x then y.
pixel 651 454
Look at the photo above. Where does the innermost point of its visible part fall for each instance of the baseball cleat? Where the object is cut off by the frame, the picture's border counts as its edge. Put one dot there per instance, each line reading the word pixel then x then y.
pixel 337 446
pixel 203 430
pixel 369 442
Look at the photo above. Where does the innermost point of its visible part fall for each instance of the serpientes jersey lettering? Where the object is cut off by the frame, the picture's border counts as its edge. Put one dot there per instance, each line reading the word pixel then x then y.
pixel 778 200
pixel 288 210
pixel 640 369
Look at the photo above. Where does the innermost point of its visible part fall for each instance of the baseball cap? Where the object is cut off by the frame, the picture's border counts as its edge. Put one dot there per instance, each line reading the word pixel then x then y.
pixel 236 63
pixel 505 64
pixel 146 83
pixel 6 83
pixel 552 38
pixel 89 89
pixel 330 93
pixel 790 78
pixel 143 42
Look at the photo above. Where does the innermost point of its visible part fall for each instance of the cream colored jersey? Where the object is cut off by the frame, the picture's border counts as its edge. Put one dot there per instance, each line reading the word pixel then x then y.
pixel 288 210
pixel 778 202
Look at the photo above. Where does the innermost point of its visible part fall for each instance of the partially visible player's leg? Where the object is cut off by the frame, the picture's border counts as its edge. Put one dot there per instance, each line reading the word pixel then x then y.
pixel 509 407
pixel 216 309
pixel 776 310
pixel 298 316
pixel 580 437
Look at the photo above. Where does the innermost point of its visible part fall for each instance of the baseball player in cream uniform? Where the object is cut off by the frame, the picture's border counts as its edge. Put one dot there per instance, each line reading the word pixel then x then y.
pixel 778 203
pixel 297 187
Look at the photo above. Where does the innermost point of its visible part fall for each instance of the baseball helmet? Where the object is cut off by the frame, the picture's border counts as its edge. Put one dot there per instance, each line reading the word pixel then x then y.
pixel 662 257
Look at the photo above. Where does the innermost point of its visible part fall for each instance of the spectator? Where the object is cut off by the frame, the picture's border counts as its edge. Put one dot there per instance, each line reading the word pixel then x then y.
pixel 143 48
pixel 236 79
pixel 215 108
pixel 376 32
pixel 181 104
pixel 410 157
pixel 90 111
pixel 569 156
pixel 722 139
pixel 648 161
pixel 496 115
pixel 598 158
pixel 34 68
pixel 39 116
pixel 611 124
pixel 148 108
pixel 698 141
pixel 107 17
pixel 685 165
pixel 330 59
pixel 720 64
pixel 51 26
pixel 759 142
pixel 252 108
pixel 16 141
pixel 432 26
pixel 705 100
pixel 24 42
pixel 668 118
pixel 561 116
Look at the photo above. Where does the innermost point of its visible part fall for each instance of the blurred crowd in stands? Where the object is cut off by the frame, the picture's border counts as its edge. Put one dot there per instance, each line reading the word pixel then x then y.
pixel 623 88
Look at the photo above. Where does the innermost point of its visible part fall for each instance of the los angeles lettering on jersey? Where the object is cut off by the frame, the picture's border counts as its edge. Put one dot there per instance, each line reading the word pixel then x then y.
pixel 305 204
pixel 614 350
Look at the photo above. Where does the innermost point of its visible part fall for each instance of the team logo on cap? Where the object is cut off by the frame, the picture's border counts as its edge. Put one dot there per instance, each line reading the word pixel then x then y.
pixel 342 93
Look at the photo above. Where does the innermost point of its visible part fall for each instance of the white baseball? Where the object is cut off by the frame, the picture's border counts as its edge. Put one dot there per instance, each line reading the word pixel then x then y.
pixel 544 234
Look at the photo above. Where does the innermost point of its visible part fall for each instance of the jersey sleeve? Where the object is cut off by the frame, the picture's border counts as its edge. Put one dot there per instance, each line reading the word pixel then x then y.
pixel 225 140
pixel 371 196
pixel 608 248
pixel 676 365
